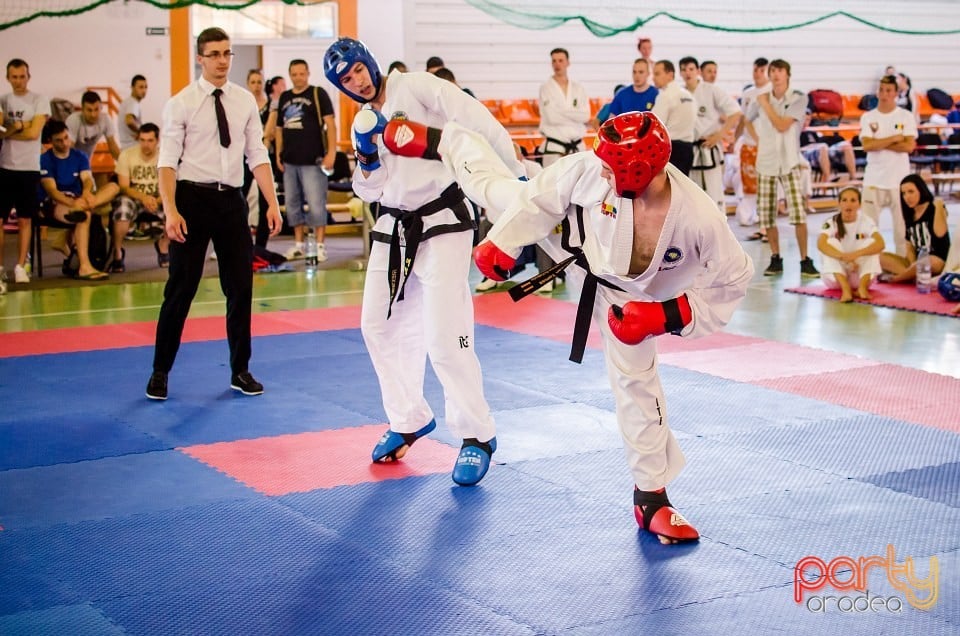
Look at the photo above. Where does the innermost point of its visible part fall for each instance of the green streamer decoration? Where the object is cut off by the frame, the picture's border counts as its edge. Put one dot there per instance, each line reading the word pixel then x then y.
pixel 538 21
pixel 160 4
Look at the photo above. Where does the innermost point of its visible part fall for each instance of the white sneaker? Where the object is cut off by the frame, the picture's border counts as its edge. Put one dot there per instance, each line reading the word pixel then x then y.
pixel 321 253
pixel 295 252
pixel 20 274
pixel 546 289
pixel 485 285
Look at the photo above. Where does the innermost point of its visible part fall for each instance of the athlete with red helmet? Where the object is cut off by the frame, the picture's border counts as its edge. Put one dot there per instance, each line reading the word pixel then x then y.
pixel 654 254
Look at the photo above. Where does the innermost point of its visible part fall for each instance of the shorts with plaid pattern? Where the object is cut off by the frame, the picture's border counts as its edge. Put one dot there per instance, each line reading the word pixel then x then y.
pixel 767 198
pixel 128 209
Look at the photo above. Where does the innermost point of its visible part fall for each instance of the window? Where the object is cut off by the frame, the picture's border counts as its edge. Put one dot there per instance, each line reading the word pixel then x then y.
pixel 269 20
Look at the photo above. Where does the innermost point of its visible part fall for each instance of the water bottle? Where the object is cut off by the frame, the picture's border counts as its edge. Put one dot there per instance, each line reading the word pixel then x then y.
pixel 923 271
pixel 311 252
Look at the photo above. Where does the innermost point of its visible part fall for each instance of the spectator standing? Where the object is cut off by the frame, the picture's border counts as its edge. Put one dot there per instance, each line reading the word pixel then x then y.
pixel 306 141
pixel 717 115
pixel 777 115
pixel 676 108
pixel 564 111
pixel 256 88
pixel 641 95
pixel 888 134
pixel 128 115
pixel 24 115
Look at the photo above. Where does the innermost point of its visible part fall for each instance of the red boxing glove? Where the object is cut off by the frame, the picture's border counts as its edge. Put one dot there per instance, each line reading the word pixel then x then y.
pixel 638 320
pixel 492 261
pixel 410 139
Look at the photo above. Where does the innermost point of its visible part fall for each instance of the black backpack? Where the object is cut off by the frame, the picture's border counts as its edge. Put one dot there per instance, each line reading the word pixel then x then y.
pixel 98 249
pixel 939 99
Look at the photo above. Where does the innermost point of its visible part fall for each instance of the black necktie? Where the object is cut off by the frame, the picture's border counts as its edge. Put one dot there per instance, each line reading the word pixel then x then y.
pixel 221 119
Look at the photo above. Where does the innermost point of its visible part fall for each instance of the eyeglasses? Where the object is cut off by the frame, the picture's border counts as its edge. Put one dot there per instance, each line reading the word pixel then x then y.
pixel 217 55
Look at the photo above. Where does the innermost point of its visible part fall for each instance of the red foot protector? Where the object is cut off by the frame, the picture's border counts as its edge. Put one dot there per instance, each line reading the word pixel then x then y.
pixel 655 514
pixel 411 139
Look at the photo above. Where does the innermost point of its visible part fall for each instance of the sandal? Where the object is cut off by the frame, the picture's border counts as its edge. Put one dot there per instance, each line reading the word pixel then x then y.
pixel 391 442
pixel 756 236
pixel 93 276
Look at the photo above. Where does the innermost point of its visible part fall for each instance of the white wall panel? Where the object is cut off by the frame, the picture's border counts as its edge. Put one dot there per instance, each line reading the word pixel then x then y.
pixel 499 60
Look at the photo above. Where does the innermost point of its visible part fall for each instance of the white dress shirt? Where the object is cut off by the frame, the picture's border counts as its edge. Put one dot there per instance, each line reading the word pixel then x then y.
pixel 190 140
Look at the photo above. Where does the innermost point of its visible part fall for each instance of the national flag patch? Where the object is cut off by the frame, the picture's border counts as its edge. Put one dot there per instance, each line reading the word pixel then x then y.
pixel 608 210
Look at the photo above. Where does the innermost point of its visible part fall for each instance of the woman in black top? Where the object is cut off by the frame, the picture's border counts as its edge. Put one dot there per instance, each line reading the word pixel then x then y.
pixel 926 222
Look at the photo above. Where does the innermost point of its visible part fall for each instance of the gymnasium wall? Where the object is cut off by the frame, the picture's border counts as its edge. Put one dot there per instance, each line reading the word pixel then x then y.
pixel 108 45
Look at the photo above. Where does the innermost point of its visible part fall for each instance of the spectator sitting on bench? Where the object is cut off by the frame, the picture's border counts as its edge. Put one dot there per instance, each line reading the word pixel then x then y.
pixel 825 153
pixel 139 195
pixel 68 183
pixel 90 124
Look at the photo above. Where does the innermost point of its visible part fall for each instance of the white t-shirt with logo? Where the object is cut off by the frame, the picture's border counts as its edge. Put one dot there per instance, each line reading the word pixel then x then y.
pixel 19 154
pixel 141 171
pixel 886 168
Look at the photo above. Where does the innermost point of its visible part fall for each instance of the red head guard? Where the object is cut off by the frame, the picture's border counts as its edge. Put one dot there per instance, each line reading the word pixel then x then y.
pixel 636 146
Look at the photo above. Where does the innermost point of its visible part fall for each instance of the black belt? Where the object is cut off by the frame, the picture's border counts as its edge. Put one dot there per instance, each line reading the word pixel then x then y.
pixel 412 223
pixel 569 147
pixel 588 294
pixel 219 187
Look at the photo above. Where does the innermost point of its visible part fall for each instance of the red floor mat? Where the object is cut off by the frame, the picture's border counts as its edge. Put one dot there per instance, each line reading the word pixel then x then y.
pixel 325 459
pixel 884 295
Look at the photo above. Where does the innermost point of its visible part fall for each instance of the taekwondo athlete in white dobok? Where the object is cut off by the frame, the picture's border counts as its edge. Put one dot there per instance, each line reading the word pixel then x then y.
pixel 564 111
pixel 654 256
pixel 851 245
pixel 717 115
pixel 416 298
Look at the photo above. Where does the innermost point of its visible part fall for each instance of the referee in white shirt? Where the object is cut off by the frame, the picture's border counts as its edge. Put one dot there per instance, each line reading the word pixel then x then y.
pixel 208 128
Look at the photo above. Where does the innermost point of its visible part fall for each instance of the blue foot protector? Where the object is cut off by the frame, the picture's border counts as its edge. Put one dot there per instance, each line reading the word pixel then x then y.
pixel 391 442
pixel 473 461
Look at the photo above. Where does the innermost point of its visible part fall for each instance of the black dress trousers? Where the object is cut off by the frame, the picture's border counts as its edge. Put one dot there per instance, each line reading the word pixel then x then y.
pixel 220 216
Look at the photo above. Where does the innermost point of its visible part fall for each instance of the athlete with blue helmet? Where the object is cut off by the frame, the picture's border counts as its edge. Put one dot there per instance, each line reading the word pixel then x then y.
pixel 416 299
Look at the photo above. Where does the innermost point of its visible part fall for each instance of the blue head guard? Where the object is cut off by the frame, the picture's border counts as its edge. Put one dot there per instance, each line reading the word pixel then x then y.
pixel 340 58
pixel 949 286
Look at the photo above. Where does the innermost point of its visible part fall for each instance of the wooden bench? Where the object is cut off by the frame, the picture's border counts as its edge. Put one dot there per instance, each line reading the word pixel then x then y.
pixel 944 179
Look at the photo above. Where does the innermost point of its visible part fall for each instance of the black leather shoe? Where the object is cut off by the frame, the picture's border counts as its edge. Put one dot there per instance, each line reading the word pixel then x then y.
pixel 157 386
pixel 245 383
